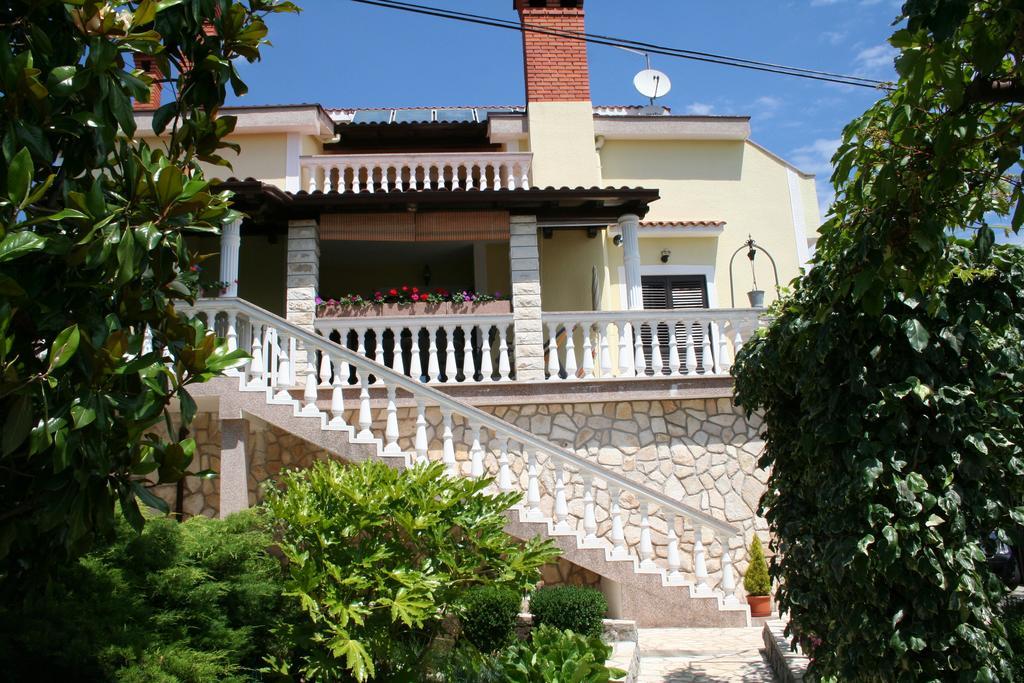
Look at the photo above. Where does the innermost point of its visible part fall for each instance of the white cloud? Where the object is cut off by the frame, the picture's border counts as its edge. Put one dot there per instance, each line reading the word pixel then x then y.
pixel 700 109
pixel 832 37
pixel 876 58
pixel 768 102
pixel 824 3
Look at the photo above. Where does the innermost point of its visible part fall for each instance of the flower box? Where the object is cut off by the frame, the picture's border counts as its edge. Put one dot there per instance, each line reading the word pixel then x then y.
pixel 329 310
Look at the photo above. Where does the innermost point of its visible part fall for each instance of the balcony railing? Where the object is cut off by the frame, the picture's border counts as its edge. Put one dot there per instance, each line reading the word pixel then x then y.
pixel 437 349
pixel 636 344
pixel 403 172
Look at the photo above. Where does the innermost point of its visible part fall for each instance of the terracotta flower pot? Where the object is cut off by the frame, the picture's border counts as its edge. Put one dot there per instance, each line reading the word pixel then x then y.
pixel 760 605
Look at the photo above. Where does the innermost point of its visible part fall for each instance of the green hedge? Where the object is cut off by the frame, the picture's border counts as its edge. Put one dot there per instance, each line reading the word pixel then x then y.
pixel 1013 619
pixel 489 616
pixel 575 608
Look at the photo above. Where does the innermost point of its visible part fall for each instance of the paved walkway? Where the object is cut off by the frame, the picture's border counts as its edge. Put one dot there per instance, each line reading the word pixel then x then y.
pixel 704 655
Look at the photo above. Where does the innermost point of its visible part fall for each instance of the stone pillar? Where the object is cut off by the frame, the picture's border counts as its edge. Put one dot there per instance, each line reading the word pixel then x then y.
pixel 230 242
pixel 303 280
pixel 234 467
pixel 526 306
pixel 629 225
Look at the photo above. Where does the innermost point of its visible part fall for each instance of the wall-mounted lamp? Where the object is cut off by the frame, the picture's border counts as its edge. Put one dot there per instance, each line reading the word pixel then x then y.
pixel 617 240
pixel 427 275
pixel 666 254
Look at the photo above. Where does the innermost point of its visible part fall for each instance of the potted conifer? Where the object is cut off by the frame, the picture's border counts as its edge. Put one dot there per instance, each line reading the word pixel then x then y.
pixel 757 582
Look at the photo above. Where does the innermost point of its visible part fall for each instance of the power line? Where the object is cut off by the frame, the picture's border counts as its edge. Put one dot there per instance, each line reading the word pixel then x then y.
pixel 695 55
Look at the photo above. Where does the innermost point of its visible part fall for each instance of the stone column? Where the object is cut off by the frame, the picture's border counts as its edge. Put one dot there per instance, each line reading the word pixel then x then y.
pixel 230 242
pixel 234 467
pixel 303 280
pixel 526 305
pixel 629 225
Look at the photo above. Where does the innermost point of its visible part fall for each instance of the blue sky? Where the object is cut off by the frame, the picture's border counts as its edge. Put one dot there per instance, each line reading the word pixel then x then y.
pixel 344 54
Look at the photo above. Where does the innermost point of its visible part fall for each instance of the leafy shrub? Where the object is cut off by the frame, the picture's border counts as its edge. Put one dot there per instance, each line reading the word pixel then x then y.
pixel 575 608
pixel 381 559
pixel 1013 619
pixel 196 601
pixel 549 656
pixel 489 616
pixel 756 581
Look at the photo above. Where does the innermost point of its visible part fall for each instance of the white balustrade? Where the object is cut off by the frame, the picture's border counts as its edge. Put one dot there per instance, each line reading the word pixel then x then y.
pixel 453 349
pixel 623 344
pixel 383 173
pixel 485 440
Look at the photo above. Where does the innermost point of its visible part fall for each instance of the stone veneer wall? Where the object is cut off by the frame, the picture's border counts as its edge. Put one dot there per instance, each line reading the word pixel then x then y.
pixel 702 452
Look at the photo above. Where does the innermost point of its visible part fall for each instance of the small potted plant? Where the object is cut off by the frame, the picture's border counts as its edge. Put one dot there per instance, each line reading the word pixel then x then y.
pixel 757 583
pixel 212 290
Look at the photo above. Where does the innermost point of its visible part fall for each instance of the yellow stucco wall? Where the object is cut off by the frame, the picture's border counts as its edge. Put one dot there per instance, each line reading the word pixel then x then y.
pixel 499 269
pixel 263 157
pixel 733 181
pixel 566 262
pixel 561 137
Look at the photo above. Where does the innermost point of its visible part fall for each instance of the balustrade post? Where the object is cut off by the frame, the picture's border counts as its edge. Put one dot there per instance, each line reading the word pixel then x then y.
pixel 450 371
pixel 553 364
pixel 706 360
pixel 232 332
pixel 570 351
pixel 618 537
pixel 504 367
pixel 257 375
pixel 625 331
pixel 604 354
pixel 533 511
pixel 588 355
pixel 724 362
pixel 325 369
pixel 415 366
pixel 391 425
pixel 657 363
pixel 524 179
pixel 486 364
pixel 673 559
pixel 476 453
pixel 504 471
pixel 337 396
pixel 284 372
pixel 448 444
pixel 433 367
pixel 646 547
pixel 700 566
pixel 589 518
pixel 356 185
pixel 365 416
pixel 673 348
pixel 691 353
pixel 421 445
pixel 728 575
pixel 639 361
pixel 309 394
pixel 561 505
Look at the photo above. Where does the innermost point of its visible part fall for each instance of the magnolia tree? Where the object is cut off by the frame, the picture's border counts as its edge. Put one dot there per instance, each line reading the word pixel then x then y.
pixel 93 256
pixel 891 380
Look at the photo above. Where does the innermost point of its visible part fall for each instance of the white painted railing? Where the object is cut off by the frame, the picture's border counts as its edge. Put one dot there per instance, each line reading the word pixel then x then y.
pixel 402 172
pixel 275 345
pixel 651 343
pixel 444 349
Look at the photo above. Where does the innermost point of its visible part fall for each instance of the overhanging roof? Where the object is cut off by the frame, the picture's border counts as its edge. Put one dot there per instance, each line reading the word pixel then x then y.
pixel 555 208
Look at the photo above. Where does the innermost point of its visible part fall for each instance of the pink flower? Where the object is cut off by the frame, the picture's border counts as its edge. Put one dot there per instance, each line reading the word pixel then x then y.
pixel 319 301
pixel 415 297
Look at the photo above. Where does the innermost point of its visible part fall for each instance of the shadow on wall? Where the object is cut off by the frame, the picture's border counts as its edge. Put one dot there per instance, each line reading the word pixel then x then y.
pixel 686 160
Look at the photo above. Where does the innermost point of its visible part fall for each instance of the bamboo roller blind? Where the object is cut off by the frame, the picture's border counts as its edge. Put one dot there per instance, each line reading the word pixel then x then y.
pixel 462 226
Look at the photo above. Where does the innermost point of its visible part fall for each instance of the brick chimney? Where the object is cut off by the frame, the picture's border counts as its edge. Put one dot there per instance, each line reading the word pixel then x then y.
pixel 556 66
pixel 148 64
pixel 559 115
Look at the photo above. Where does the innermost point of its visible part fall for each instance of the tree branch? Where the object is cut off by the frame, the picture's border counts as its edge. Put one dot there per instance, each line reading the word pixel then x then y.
pixel 994 90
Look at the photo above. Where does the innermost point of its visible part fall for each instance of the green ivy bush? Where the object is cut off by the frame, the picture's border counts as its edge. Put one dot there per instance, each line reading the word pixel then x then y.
pixel 489 615
pixel 196 601
pixel 756 581
pixel 380 561
pixel 576 608
pixel 1013 620
pixel 549 656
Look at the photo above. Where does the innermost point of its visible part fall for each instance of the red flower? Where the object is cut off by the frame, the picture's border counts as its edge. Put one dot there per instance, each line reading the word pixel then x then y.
pixel 415 290
pixel 393 292
pixel 376 295
pixel 405 288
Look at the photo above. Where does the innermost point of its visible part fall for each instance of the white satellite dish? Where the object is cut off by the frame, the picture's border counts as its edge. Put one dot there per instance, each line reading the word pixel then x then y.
pixel 652 83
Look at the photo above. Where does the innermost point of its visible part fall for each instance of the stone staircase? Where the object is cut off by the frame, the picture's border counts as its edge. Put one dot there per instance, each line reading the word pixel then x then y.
pixel 564 495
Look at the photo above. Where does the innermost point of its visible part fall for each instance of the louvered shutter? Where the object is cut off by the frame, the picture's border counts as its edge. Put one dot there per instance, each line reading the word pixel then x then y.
pixel 673 292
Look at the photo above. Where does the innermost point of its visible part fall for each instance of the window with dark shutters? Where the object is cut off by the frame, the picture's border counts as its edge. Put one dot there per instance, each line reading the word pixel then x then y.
pixel 674 292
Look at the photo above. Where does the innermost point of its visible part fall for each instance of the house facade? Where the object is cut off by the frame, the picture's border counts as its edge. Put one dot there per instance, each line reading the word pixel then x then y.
pixel 615 243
